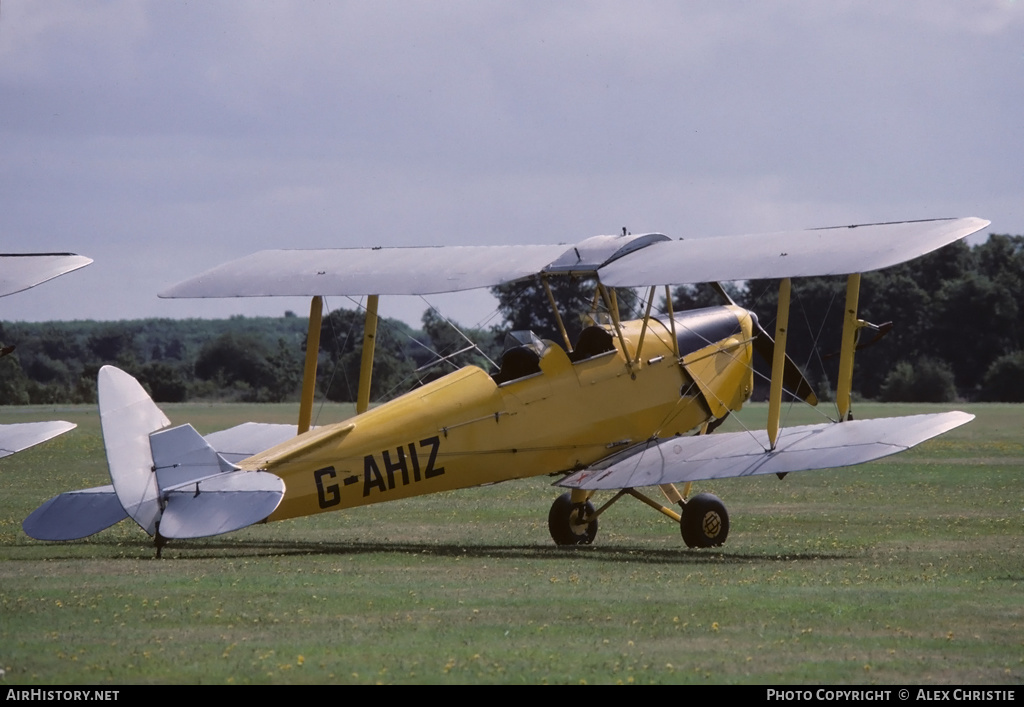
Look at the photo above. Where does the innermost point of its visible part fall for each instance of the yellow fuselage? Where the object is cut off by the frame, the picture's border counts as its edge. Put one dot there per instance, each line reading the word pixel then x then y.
pixel 466 429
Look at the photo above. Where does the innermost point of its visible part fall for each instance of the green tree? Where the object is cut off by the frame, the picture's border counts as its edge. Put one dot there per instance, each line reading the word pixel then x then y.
pixel 815 323
pixel 703 295
pixel 341 347
pixel 113 343
pixel 445 340
pixel 931 270
pixel 975 319
pixel 525 305
pixel 167 383
pixel 927 380
pixel 13 382
pixel 1004 379
pixel 1001 259
pixel 244 364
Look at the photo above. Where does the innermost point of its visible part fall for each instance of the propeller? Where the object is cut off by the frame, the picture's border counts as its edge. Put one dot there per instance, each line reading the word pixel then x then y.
pixel 793 380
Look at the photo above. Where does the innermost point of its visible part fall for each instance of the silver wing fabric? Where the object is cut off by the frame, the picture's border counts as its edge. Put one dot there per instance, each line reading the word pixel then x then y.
pixel 249 438
pixel 825 251
pixel 619 261
pixel 20 271
pixel 75 514
pixel 362 271
pixel 733 454
pixel 22 435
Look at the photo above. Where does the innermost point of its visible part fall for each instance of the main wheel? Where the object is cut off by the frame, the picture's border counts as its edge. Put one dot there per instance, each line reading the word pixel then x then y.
pixel 565 524
pixel 705 521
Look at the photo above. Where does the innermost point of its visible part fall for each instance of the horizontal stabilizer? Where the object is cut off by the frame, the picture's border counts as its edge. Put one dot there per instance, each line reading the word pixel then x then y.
pixel 15 438
pixel 719 456
pixel 220 504
pixel 245 440
pixel 75 514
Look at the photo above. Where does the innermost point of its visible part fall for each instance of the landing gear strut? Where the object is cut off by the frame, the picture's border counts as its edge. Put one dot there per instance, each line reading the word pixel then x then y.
pixel 572 523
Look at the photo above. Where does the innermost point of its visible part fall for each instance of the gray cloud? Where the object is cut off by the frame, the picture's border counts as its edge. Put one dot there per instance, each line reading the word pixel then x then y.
pixel 163 138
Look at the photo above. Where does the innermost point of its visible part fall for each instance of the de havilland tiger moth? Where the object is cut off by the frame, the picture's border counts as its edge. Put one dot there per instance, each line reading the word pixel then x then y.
pixel 627 405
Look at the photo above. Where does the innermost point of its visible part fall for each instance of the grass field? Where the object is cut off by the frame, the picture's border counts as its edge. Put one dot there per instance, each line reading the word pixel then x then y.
pixel 908 570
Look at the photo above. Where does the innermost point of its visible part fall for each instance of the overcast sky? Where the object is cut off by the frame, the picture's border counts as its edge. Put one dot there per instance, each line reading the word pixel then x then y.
pixel 162 138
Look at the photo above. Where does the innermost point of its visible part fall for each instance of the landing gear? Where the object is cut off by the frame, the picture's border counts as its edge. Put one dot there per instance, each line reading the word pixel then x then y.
pixel 159 540
pixel 572 523
pixel 705 521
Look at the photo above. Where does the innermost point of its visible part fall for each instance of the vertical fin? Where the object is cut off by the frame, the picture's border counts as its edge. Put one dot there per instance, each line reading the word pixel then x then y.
pixel 127 416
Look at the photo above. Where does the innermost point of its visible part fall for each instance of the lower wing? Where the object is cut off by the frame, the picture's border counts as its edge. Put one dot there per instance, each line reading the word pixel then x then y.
pixel 733 454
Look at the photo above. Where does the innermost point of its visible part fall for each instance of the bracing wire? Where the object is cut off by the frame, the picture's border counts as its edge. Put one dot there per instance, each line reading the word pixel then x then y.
pixel 449 322
pixel 439 357
pixel 337 364
pixel 793 398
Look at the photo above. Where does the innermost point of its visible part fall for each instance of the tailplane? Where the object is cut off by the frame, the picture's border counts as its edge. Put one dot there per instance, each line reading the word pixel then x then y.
pixel 169 480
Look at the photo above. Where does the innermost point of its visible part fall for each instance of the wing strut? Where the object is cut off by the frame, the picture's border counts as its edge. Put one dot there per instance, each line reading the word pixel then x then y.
pixel 366 360
pixel 647 319
pixel 558 315
pixel 851 326
pixel 672 321
pixel 316 309
pixel 778 362
pixel 613 307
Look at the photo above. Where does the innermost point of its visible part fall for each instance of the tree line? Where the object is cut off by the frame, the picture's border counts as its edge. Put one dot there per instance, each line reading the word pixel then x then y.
pixel 241 359
pixel 958 332
pixel 957 324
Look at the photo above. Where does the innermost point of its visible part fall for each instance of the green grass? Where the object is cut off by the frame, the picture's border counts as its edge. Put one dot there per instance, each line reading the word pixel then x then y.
pixel 908 570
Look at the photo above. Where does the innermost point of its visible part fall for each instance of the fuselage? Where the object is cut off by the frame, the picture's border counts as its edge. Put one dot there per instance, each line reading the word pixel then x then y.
pixel 546 412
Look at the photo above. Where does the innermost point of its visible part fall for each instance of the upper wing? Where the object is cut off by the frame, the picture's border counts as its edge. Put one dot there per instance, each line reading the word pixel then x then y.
pixel 719 456
pixel 825 251
pixel 361 271
pixel 24 270
pixel 620 261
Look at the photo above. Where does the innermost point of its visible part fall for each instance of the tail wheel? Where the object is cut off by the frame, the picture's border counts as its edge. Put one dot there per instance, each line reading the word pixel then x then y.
pixel 568 524
pixel 705 521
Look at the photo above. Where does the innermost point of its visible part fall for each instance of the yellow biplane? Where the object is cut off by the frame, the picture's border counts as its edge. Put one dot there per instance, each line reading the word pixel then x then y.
pixel 19 272
pixel 627 405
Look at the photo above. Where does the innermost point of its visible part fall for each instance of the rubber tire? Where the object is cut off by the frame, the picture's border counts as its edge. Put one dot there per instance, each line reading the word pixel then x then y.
pixel 561 525
pixel 705 521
